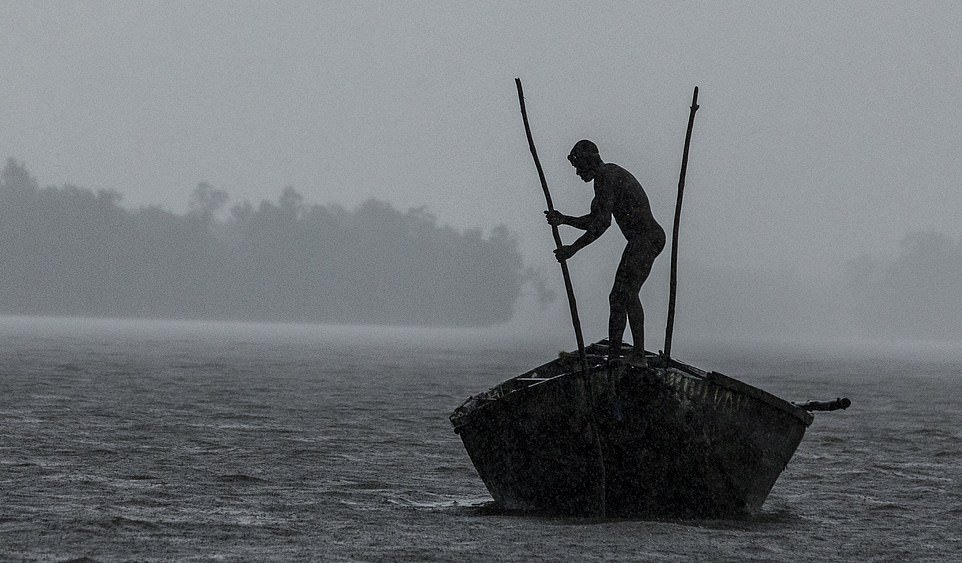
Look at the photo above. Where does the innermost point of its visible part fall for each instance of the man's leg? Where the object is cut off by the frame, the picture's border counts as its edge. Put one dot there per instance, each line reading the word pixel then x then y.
pixel 625 303
pixel 636 320
pixel 636 313
pixel 616 321
pixel 619 301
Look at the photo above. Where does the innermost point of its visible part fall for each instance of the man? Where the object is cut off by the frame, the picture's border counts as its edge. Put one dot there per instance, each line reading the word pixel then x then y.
pixel 617 193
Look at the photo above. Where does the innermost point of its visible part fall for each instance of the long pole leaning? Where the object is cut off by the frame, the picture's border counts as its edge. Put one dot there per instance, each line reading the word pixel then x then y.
pixel 572 304
pixel 669 326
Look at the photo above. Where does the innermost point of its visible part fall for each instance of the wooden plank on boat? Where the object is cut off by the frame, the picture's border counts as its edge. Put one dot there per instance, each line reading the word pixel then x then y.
pixel 723 380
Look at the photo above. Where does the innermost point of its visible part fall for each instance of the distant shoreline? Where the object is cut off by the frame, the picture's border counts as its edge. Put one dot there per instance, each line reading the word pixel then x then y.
pixel 498 337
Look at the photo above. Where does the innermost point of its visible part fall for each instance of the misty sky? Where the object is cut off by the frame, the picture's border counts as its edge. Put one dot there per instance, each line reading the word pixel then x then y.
pixel 826 130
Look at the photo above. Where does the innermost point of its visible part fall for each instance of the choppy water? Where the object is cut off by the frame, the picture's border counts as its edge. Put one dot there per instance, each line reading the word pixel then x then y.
pixel 191 442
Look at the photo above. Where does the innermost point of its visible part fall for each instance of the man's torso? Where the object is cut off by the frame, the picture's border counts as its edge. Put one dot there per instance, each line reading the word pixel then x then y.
pixel 629 204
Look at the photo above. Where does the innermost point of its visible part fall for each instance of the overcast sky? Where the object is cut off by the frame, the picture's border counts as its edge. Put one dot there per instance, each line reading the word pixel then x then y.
pixel 826 130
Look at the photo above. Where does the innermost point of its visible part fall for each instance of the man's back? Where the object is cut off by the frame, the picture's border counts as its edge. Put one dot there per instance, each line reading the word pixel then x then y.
pixel 618 191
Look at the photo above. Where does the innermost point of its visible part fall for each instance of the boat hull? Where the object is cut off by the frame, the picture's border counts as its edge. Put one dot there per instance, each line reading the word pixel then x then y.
pixel 665 441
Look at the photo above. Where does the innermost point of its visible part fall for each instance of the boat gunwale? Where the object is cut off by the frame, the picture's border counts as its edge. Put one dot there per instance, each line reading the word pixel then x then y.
pixel 462 415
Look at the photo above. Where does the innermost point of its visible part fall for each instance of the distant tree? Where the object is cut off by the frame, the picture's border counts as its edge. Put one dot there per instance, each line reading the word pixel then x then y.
pixel 291 202
pixel 205 201
pixel 242 213
pixel 15 179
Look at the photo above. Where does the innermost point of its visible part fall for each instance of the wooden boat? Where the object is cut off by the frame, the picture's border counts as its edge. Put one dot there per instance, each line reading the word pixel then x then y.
pixel 576 436
pixel 667 440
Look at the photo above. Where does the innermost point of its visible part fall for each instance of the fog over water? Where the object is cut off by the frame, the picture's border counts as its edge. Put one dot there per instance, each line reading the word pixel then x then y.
pixel 822 197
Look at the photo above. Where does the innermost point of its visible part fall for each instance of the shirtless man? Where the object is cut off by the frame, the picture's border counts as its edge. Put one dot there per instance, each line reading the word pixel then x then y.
pixel 617 193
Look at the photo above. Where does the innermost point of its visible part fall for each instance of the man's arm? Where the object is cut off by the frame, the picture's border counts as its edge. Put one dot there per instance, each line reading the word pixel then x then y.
pixel 557 218
pixel 594 224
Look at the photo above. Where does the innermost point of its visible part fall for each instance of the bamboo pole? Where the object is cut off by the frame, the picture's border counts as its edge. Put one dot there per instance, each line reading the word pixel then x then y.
pixel 669 326
pixel 572 304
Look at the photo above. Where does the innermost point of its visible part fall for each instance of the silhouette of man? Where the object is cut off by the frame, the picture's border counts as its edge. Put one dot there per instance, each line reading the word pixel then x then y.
pixel 617 193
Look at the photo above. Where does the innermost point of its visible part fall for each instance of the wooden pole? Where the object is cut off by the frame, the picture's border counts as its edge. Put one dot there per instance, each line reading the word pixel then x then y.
pixel 837 404
pixel 669 327
pixel 572 304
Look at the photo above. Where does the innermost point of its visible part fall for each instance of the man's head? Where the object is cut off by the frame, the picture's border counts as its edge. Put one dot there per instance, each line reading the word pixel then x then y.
pixel 586 160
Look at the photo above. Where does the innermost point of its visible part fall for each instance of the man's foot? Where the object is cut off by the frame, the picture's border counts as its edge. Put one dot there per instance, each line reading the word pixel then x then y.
pixel 617 358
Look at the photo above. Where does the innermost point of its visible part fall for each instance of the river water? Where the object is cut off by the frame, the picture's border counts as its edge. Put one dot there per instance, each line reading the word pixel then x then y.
pixel 194 441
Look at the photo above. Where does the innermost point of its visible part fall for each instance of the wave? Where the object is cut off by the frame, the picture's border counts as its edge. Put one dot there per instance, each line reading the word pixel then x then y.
pixel 239 478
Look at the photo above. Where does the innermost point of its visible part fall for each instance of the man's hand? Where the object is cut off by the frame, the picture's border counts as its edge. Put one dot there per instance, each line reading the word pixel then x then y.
pixel 554 217
pixel 564 253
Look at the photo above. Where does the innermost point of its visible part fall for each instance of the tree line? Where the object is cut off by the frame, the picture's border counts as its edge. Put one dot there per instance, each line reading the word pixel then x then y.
pixel 74 251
